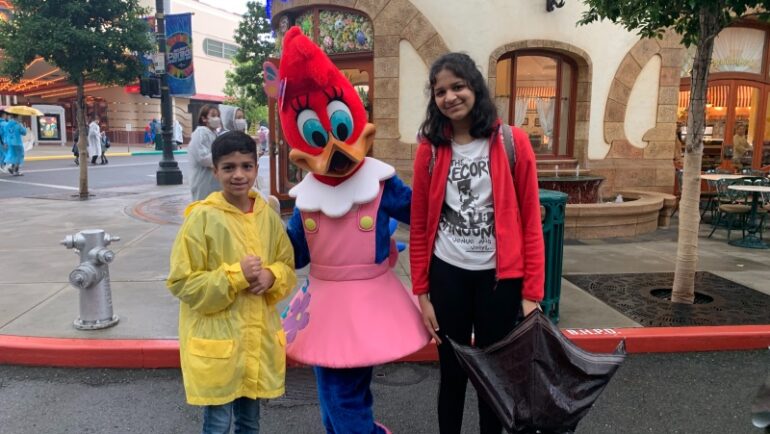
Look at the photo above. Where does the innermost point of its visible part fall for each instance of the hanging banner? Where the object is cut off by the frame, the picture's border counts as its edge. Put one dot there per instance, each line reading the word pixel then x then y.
pixel 179 62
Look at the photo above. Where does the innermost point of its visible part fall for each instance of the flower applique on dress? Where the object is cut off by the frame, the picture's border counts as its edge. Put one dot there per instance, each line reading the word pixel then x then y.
pixel 296 316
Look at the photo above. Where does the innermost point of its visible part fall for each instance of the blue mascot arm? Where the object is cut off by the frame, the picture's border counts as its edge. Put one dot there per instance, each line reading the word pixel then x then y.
pixel 296 232
pixel 397 200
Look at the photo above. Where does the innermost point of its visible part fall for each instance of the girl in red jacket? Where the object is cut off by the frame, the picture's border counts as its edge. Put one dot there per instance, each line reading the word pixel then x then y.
pixel 476 242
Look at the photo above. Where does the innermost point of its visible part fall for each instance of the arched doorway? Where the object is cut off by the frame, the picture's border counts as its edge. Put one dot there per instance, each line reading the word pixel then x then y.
pixel 737 98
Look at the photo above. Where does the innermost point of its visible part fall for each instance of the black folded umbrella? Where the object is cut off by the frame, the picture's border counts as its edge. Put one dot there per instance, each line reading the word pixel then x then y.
pixel 536 379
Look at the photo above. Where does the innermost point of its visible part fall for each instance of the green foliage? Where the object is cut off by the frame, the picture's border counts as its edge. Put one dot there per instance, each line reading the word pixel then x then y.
pixel 256 45
pixel 89 40
pixel 651 18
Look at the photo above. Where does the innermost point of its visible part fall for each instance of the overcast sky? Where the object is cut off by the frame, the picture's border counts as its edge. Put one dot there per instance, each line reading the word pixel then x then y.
pixel 237 6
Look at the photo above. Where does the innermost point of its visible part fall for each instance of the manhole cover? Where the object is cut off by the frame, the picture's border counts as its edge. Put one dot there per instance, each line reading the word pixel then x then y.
pixel 665 294
pixel 164 210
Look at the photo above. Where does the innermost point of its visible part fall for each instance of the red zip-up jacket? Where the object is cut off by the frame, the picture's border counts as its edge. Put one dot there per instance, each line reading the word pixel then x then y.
pixel 518 231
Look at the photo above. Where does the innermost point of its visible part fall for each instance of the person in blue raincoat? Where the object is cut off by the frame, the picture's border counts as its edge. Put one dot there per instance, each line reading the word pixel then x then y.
pixel 3 146
pixel 14 156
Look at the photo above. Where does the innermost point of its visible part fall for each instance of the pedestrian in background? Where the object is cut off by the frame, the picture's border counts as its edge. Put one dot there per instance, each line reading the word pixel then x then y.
pixel 3 146
pixel 14 155
pixel 476 242
pixel 157 134
pixel 105 142
pixel 263 137
pixel 203 182
pixel 148 138
pixel 231 263
pixel 178 135
pixel 94 139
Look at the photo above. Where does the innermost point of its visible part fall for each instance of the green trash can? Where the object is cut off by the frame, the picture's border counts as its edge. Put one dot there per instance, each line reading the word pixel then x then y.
pixel 555 203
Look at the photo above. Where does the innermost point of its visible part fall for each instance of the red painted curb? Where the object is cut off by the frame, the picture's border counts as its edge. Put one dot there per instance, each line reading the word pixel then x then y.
pixel 164 353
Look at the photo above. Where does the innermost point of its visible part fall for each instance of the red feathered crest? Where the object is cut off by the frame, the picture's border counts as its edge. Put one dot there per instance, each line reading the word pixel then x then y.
pixel 322 116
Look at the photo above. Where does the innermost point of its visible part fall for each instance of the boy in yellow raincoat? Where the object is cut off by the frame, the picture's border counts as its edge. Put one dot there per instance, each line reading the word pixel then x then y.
pixel 231 263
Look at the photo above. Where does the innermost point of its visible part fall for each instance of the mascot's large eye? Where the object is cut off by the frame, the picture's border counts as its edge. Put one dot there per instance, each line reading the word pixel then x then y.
pixel 311 129
pixel 341 119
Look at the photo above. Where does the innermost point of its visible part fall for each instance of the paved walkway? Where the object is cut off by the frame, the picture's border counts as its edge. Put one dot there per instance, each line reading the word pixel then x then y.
pixel 36 299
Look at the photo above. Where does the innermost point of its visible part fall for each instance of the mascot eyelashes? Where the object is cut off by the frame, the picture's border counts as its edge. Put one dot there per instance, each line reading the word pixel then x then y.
pixel 353 312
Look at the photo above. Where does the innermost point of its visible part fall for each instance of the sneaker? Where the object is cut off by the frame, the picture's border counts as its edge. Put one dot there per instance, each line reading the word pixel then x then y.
pixel 3 168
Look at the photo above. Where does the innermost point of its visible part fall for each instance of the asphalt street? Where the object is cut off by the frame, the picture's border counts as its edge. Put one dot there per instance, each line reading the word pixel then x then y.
pixel 653 393
pixel 51 177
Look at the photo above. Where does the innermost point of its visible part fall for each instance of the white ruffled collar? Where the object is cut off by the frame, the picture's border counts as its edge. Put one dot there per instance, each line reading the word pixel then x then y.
pixel 336 201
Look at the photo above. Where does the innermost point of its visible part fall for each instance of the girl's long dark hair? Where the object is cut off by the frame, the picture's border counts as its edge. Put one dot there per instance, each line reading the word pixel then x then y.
pixel 204 111
pixel 437 128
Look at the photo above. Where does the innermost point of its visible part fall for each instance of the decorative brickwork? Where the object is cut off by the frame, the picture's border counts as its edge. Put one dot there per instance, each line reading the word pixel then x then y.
pixel 649 168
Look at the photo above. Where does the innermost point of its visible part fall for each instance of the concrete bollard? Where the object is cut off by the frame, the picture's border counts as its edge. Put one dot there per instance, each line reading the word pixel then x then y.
pixel 92 278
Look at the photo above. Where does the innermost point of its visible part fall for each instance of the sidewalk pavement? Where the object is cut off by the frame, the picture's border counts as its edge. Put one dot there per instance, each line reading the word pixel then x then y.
pixel 56 152
pixel 38 306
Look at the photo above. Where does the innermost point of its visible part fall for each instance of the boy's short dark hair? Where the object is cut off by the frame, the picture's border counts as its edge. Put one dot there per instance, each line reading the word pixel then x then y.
pixel 232 141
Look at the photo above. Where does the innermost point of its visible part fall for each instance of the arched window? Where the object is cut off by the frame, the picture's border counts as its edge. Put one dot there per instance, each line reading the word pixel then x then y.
pixel 535 90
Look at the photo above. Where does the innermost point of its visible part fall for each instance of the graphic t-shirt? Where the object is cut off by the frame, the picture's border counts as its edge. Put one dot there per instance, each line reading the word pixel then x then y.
pixel 466 229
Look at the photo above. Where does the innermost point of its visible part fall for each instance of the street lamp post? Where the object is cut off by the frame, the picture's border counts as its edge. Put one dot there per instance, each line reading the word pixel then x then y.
pixel 168 171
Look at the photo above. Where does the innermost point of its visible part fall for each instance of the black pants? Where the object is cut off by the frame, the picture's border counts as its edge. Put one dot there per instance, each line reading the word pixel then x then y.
pixel 468 301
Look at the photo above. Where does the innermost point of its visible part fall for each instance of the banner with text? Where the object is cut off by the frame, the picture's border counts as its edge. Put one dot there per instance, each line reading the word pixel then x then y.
pixel 179 62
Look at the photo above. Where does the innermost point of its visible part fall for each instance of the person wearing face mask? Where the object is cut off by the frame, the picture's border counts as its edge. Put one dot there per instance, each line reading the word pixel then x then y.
pixel 203 182
pixel 178 135
pixel 233 119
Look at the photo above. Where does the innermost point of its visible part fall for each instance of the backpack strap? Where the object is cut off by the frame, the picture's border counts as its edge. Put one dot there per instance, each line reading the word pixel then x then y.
pixel 432 160
pixel 510 149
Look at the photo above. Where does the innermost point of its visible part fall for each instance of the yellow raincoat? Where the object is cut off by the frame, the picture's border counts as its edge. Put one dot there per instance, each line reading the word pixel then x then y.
pixel 231 342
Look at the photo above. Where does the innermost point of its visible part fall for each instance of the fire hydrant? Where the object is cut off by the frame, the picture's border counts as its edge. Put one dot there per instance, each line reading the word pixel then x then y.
pixel 92 278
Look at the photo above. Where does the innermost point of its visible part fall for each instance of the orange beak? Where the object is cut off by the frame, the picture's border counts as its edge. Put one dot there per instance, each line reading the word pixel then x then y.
pixel 338 159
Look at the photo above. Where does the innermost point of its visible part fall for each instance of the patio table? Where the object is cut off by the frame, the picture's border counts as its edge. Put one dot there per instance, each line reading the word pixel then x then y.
pixel 753 224
pixel 718 176
pixel 712 178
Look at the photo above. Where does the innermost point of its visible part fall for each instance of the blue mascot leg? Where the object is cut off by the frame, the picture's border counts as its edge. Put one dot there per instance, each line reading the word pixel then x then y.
pixel 346 400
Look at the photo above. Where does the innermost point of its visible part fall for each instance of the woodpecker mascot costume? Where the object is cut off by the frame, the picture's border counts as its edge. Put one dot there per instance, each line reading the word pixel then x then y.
pixel 353 312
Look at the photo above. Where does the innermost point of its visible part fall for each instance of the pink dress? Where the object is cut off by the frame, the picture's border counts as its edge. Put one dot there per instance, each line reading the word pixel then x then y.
pixel 351 312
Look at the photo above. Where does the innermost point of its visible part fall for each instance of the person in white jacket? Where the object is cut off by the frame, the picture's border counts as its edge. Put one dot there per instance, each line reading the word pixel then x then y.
pixel 203 182
pixel 178 137
pixel 94 140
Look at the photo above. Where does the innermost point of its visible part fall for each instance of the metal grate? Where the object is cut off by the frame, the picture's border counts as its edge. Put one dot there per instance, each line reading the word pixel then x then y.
pixel 643 297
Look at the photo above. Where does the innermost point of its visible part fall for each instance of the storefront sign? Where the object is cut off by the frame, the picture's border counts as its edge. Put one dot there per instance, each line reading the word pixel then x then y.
pixel 48 127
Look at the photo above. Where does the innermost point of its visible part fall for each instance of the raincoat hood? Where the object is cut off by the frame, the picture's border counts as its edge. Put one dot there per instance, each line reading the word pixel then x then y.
pixel 227 113
pixel 218 201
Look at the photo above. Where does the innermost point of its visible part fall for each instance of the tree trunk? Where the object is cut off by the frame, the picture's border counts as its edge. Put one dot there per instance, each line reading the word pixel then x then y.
pixel 683 290
pixel 83 139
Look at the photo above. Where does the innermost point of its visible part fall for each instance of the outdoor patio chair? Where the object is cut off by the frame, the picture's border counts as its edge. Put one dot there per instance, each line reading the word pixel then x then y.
pixel 732 208
pixel 708 197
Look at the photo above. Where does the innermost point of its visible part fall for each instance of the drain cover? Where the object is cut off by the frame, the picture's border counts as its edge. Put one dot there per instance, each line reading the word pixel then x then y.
pixel 643 298
pixel 665 294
